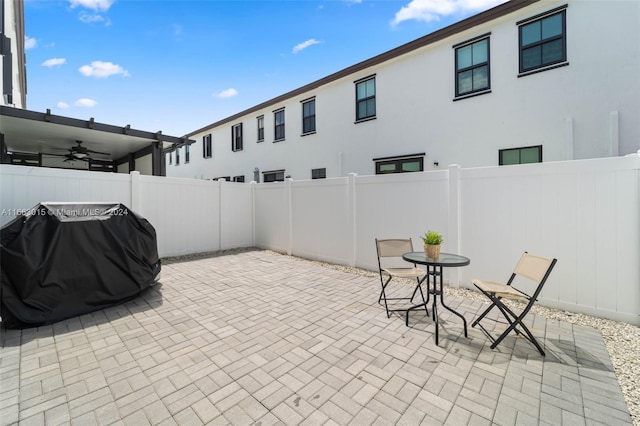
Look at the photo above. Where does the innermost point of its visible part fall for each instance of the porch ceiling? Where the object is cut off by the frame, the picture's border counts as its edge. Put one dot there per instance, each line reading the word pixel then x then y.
pixel 34 132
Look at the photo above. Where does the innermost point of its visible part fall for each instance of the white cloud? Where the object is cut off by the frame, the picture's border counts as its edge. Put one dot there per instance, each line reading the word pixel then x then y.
pixel 227 93
pixel 54 62
pixel 433 10
pixel 97 5
pixel 29 42
pixel 101 69
pixel 85 103
pixel 90 18
pixel 301 46
pixel 63 105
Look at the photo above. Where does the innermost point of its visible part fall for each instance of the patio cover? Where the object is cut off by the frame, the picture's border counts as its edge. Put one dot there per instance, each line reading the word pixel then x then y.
pixel 60 260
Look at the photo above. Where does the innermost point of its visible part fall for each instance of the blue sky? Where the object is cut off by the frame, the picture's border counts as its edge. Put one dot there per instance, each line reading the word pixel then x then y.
pixel 179 65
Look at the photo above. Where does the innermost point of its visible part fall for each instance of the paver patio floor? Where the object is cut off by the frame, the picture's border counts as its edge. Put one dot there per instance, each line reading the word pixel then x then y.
pixel 257 338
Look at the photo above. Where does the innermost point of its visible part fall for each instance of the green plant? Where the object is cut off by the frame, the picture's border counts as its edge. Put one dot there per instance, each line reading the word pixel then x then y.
pixel 432 238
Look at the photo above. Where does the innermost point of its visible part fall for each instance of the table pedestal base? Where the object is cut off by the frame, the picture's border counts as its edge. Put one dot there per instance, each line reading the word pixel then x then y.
pixel 435 272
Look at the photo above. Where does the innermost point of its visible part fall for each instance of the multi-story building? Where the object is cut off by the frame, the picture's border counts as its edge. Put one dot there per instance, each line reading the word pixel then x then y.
pixel 526 81
pixel 12 59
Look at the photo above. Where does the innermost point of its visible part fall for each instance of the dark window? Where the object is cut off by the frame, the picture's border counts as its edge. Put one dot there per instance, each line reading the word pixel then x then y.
pixel 274 176
pixel 236 137
pixel 177 156
pixel 472 67
pixel 543 42
pixel 366 99
pixel 529 154
pixel 261 128
pixel 399 165
pixel 309 116
pixel 238 178
pixel 319 173
pixel 186 154
pixel 170 158
pixel 206 146
pixel 278 125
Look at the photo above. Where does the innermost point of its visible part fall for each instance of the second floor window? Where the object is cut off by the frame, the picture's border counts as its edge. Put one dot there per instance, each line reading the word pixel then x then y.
pixel 309 116
pixel 261 128
pixel 543 41
pixel 236 137
pixel 278 125
pixel 178 157
pixel 186 154
pixel 366 99
pixel 206 146
pixel 472 67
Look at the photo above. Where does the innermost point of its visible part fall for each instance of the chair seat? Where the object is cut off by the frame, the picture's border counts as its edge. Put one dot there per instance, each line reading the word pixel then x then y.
pixel 405 272
pixel 499 289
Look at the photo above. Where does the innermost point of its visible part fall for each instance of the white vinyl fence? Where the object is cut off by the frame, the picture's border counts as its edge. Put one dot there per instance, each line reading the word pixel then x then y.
pixel 585 213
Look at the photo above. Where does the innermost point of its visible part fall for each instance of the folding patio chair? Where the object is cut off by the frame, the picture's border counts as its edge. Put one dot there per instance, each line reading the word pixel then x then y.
pixel 391 265
pixel 536 269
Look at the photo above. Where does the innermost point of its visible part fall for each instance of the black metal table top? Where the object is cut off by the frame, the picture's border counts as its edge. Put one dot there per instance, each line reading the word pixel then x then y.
pixel 445 259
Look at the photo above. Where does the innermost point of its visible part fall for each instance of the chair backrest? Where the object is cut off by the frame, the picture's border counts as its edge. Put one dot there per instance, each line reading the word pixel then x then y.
pixel 391 250
pixel 535 268
pixel 395 247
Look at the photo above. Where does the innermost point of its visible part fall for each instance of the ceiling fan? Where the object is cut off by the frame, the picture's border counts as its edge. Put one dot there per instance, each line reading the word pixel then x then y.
pixel 79 152
pixel 70 157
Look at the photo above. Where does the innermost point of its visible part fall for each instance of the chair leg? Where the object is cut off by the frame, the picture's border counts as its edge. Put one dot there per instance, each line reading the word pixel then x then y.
pixel 512 327
pixel 383 295
pixel 513 319
pixel 493 305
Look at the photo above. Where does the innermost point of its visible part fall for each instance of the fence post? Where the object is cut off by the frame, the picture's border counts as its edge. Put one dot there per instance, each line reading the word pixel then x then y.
pixel 353 217
pixel 288 189
pixel 453 239
pixel 253 212
pixel 219 185
pixel 136 202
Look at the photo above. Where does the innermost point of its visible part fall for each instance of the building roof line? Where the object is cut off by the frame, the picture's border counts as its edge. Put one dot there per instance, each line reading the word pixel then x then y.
pixel 448 31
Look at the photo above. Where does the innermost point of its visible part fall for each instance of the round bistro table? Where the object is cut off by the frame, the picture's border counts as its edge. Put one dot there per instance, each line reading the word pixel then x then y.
pixel 434 270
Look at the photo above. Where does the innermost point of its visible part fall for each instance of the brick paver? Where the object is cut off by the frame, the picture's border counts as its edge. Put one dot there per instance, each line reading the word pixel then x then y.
pixel 258 338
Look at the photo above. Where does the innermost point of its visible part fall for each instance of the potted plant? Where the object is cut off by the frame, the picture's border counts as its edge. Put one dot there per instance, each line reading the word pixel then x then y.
pixel 432 241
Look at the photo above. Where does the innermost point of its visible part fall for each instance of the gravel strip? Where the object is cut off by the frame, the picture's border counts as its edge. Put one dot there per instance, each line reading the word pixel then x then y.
pixel 621 339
